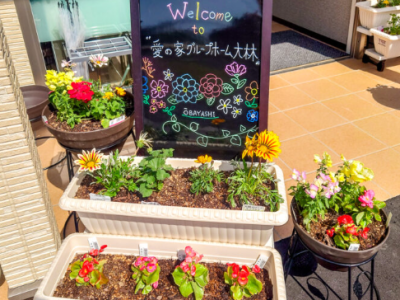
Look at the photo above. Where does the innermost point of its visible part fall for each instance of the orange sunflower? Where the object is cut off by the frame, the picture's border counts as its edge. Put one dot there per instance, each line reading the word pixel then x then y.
pixel 252 91
pixel 89 161
pixel 268 145
pixel 251 146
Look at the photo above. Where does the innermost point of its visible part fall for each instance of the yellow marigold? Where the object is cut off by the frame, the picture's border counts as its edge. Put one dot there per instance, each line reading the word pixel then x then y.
pixel 268 145
pixel 120 91
pixel 203 159
pixel 108 95
pixel 251 146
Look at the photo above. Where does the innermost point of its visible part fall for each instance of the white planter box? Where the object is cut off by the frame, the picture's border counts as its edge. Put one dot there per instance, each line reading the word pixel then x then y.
pixel 371 17
pixel 386 44
pixel 211 225
pixel 167 249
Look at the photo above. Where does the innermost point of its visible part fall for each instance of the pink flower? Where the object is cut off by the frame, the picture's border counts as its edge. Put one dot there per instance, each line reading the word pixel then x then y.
pixel 142 267
pixel 193 270
pixel 188 259
pixel 161 104
pixel 312 192
pixel 235 69
pixel 158 89
pixel 190 252
pixel 151 267
pixel 153 109
pixel 256 269
pixel 146 259
pixel 184 266
pixel 155 284
pixel 301 177
pixel 367 198
pixel 211 86
pixel 86 279
pixel 153 259
pixel 198 258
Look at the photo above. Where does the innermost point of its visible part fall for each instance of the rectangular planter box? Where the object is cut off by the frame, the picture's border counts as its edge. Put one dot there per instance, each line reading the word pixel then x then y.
pixel 167 249
pixel 211 225
pixel 371 17
pixel 386 44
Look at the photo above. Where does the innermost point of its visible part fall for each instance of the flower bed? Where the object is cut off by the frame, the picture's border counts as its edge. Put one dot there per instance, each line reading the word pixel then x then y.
pixel 126 275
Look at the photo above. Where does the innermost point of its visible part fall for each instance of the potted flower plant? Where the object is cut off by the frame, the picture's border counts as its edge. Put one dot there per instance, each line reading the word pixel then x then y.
pixel 203 199
pixel 170 269
pixel 336 213
pixel 387 39
pixel 83 114
pixel 376 13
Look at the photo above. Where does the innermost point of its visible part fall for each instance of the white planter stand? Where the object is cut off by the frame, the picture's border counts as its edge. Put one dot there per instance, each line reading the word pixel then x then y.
pixel 385 44
pixel 211 225
pixel 371 17
pixel 162 249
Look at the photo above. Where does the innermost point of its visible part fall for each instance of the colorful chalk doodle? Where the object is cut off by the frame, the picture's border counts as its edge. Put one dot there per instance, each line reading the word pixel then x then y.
pixel 168 75
pixel 203 139
pixel 185 89
pixel 252 91
pixel 169 110
pixel 158 89
pixel 146 99
pixel 236 112
pixel 211 86
pixel 145 87
pixel 199 114
pixel 252 116
pixel 237 99
pixel 224 105
pixel 147 67
pixel 235 70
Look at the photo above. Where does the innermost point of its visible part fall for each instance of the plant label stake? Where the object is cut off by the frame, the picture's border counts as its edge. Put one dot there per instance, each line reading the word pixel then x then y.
pixel 354 247
pixel 143 250
pixel 181 255
pixel 261 261
pixel 99 197
pixel 389 218
pixel 93 244
pixel 249 207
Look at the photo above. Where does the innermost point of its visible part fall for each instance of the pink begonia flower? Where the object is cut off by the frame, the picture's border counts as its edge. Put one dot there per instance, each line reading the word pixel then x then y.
pixel 312 192
pixel 367 198
pixel 190 252
pixel 198 258
pixel 151 268
pixel 184 266
pixel 188 259
pixel 155 284
pixel 153 259
pixel 158 89
pixel 193 270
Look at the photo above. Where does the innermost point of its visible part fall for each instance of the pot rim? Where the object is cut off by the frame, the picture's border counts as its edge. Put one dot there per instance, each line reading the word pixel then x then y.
pixel 127 119
pixel 337 249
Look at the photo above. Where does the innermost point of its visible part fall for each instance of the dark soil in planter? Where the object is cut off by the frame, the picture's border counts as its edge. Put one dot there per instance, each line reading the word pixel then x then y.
pixel 121 286
pixel 84 126
pixel 318 230
pixel 176 192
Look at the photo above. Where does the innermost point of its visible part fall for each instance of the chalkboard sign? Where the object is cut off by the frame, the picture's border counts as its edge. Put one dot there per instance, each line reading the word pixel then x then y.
pixel 201 84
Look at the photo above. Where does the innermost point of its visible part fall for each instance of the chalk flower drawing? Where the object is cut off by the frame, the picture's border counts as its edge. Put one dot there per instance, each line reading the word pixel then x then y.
pixel 147 67
pixel 161 104
pixel 234 69
pixel 252 91
pixel 153 101
pixel 153 109
pixel 158 89
pixel 168 75
pixel 224 105
pixel 145 87
pixel 236 112
pixel 211 86
pixel 237 99
pixel 252 116
pixel 185 89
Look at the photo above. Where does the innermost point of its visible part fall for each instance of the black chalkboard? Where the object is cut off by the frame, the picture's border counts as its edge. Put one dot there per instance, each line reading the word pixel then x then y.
pixel 200 74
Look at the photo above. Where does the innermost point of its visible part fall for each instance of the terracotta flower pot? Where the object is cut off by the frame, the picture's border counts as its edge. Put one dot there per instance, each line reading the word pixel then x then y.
pixel 335 254
pixel 35 97
pixel 99 139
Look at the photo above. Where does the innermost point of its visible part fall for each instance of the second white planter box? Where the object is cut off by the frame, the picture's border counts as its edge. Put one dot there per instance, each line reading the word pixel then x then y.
pixel 371 17
pixel 386 44
pixel 211 225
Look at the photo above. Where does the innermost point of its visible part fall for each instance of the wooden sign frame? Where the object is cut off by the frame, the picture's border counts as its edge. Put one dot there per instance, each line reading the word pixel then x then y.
pixel 266 32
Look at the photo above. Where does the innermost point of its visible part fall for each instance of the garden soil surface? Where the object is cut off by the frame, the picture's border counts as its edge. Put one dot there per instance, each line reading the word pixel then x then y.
pixel 318 230
pixel 84 126
pixel 176 192
pixel 121 286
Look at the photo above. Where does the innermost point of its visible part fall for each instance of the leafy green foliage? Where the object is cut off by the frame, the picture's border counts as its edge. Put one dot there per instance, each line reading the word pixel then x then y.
pixel 154 171
pixel 243 283
pixel 146 273
pixel 88 272
pixel 249 184
pixel 203 179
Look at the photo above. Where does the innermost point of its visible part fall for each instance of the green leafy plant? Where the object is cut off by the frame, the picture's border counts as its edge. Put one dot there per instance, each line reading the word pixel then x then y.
pixel 146 273
pixel 243 282
pixel 386 3
pixel 394 25
pixel 154 171
pixel 68 110
pixel 88 271
pixel 190 276
pixel 204 177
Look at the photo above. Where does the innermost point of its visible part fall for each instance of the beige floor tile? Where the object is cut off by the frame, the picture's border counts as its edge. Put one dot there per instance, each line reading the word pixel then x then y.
pixel 331 69
pixel 380 194
pixel 395 112
pixel 349 141
pixel 272 108
pixel 356 64
pixel 386 97
pixel 61 216
pixel 277 82
pixel 284 127
pixel 315 117
pixel 353 107
pixel 299 153
pixel 385 165
pixel 384 127
pixel 287 172
pixel 300 76
pixel 322 89
pixel 355 81
pixel 387 77
pixel 289 97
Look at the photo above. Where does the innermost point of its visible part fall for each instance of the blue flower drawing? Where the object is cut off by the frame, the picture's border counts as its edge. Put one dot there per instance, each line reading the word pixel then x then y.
pixel 185 89
pixel 145 87
pixel 252 116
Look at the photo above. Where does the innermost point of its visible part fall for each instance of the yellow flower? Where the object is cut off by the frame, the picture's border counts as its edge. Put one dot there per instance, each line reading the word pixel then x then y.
pixel 268 145
pixel 251 146
pixel 120 91
pixel 332 176
pixel 108 95
pixel 327 159
pixel 203 159
pixel 89 161
pixel 342 157
pixel 340 177
pixel 356 171
pixel 317 159
pixel 386 2
pixel 56 79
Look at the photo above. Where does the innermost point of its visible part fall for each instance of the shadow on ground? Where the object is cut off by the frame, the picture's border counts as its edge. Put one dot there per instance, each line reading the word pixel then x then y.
pixel 308 280
pixel 386 95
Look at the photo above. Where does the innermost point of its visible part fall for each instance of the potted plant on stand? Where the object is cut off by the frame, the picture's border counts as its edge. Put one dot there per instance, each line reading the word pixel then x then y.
pixel 387 39
pixel 376 13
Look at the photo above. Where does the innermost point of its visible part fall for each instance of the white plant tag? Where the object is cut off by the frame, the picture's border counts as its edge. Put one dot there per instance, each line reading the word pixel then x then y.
pixel 249 207
pixel 261 261
pixel 45 119
pixel 143 250
pixel 354 247
pixel 150 203
pixel 389 218
pixel 116 121
pixel 99 197
pixel 93 244
pixel 181 255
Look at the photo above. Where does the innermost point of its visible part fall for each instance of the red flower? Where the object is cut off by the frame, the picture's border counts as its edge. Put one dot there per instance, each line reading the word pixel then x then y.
pixel 184 266
pixel 246 270
pixel 86 279
pixel 256 269
pixel 364 233
pixel 330 232
pixel 345 219
pixel 102 248
pixel 352 230
pixel 211 86
pixel 94 252
pixel 81 91
pixel 243 280
pixel 235 270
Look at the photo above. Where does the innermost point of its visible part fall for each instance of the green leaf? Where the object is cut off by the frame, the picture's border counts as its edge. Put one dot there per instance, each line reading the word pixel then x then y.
pixel 228 279
pixel 254 285
pixel 236 140
pixel 179 276
pixel 146 99
pixel 74 274
pixel 162 175
pixel 105 123
pixel 246 292
pixel 194 126
pixel 234 80
pixel 202 141
pixel 153 277
pixel 145 191
pixel 176 127
pixel 198 291
pixel 236 291
pixel 241 83
pixel 199 97
pixel 339 242
pixel 226 133
pixel 139 286
pixel 147 289
pixel 227 89
pixel 359 217
pixel 76 266
pixel 210 101
pixel 94 277
pixel 173 118
pixel 377 217
pixel 242 128
pixel 379 204
pixel 202 279
pixel 186 289
pixel 172 99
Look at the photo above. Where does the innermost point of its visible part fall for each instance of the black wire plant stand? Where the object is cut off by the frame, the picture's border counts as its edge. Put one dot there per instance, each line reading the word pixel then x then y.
pixel 356 288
